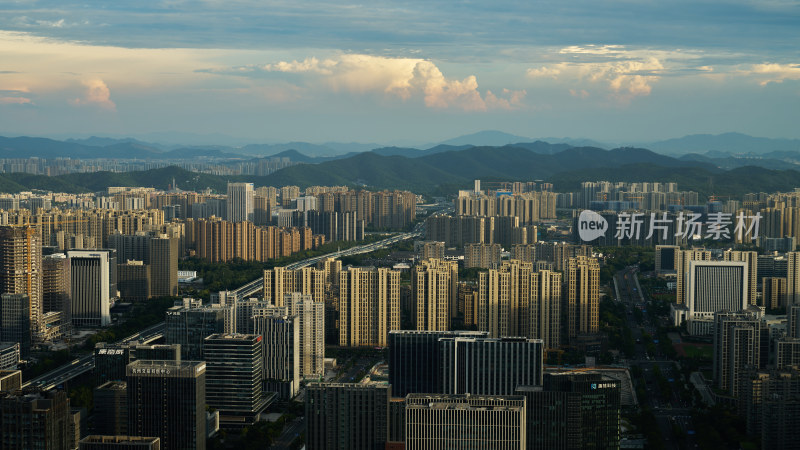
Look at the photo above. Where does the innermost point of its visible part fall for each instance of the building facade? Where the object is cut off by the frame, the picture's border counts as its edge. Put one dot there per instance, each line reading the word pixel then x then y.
pixel 167 399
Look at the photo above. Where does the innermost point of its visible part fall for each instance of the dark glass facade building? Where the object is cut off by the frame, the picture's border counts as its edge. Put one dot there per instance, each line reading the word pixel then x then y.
pixel 573 411
pixel 347 416
pixel 110 361
pixel 415 361
pixel 35 420
pixel 189 326
pixel 490 366
pixel 167 399
pixel 233 377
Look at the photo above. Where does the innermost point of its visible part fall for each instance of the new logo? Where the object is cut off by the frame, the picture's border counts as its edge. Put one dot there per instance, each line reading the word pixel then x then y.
pixel 591 225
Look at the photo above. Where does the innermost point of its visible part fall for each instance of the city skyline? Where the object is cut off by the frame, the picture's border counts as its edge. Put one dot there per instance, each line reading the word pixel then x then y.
pixel 389 73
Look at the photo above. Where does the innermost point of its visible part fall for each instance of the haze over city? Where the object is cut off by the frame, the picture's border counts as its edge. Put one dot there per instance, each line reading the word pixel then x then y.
pixel 411 72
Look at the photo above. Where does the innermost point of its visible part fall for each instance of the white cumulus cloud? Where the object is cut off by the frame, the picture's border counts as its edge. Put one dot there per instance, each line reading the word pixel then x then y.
pixel 400 77
pixel 98 94
pixel 774 72
pixel 624 74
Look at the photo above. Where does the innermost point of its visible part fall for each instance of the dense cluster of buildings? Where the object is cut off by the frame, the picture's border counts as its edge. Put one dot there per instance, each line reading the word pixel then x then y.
pixel 524 297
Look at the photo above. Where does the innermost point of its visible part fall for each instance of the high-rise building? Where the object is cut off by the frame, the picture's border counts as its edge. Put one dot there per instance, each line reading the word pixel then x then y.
pixel 573 411
pixel 429 249
pixel 486 256
pixel 35 420
pixel 133 281
pixel 737 346
pixel 21 269
pixel 441 421
pixel 683 258
pixel 99 442
pixel 545 308
pixel 434 283
pixel 504 299
pixel 666 259
pixel 10 380
pixel 769 400
pixel 347 416
pixel 280 281
pixel 15 321
pixel 773 292
pixel 163 266
pixel 793 278
pixel 713 286
pixel 489 366
pixel 787 353
pixel 111 408
pixel 171 352
pixel 240 202
pixel 524 252
pixel 415 360
pixel 793 321
pixel 582 299
pixel 56 287
pixel 9 355
pixel 167 399
pixel 110 361
pixel 234 383
pixel 92 285
pixel 311 323
pixel 513 300
pixel 190 325
pixel 281 334
pixel 751 259
pixel 369 306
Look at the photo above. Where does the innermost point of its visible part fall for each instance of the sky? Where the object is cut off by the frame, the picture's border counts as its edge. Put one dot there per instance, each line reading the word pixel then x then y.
pixel 399 72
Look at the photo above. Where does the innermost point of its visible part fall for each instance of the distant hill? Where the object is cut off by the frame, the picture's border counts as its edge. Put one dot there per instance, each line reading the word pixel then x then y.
pixel 727 142
pixel 328 150
pixel 486 138
pixel 444 173
pixel 95 141
pixel 735 182
pixel 417 153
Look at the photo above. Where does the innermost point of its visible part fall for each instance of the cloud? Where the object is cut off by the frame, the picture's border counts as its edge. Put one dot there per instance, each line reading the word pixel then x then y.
pixel 625 74
pixel 14 96
pixel 774 72
pixel 404 78
pixel 98 94
pixel 14 100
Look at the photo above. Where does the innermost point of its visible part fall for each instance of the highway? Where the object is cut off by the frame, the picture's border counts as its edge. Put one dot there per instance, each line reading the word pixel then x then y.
pixel 257 285
pixel 85 364
pixel 670 411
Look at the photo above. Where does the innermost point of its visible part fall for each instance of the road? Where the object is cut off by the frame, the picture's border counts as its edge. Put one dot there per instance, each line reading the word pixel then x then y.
pixel 289 434
pixel 257 285
pixel 85 364
pixel 670 410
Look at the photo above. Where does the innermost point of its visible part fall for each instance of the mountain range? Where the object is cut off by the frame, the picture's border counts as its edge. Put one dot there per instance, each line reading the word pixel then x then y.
pixel 449 168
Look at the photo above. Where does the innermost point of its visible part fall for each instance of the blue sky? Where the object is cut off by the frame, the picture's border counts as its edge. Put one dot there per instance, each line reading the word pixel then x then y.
pixel 408 71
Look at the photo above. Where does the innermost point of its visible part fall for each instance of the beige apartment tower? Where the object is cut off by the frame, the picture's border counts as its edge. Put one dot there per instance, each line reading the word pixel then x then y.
pixel 793 278
pixel 582 299
pixel 280 281
pixel 369 306
pixel 434 283
pixel 21 269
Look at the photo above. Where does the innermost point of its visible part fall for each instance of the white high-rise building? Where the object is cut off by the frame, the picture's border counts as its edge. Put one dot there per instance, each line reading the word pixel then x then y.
pixel 715 286
pixel 240 202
